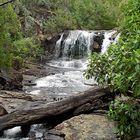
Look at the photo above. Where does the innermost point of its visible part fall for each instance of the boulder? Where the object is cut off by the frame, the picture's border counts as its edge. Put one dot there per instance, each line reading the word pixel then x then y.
pixel 11 79
pixel 99 37
pixel 98 41
pixel 49 43
pixel 87 127
pixel 96 47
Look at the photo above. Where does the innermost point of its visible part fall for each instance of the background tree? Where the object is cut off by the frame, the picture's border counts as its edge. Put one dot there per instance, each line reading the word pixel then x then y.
pixel 10 31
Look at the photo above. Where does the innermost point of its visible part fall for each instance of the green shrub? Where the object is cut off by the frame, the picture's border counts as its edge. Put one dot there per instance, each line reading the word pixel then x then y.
pixel 127 115
pixel 27 49
pixel 72 14
pixel 9 31
pixel 84 14
pixel 119 68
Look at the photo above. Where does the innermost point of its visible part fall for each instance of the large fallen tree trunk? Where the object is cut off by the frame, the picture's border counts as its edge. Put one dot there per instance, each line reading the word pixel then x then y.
pixel 37 112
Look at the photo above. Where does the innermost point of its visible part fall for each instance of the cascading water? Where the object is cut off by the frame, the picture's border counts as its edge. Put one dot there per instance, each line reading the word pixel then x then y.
pixel 76 45
pixel 110 38
pixel 72 52
pixel 71 58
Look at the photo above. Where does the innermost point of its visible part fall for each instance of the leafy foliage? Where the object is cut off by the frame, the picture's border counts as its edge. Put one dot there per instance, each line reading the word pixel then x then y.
pixel 27 48
pixel 84 14
pixel 119 68
pixel 55 16
pixel 127 116
pixel 10 31
pixel 12 44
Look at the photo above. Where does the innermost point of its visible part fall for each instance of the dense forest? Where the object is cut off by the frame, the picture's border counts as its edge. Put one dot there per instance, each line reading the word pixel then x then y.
pixel 25 23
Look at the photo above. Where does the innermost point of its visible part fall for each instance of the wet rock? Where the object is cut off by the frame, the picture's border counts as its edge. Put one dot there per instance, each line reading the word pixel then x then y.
pixel 99 37
pixel 30 83
pixel 35 136
pixel 87 127
pixel 52 137
pixel 32 136
pixel 35 70
pixel 98 41
pixel 96 47
pixel 2 111
pixel 55 132
pixel 49 44
pixel 11 79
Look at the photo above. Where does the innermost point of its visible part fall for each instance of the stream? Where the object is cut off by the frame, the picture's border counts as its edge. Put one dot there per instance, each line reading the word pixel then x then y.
pixel 71 58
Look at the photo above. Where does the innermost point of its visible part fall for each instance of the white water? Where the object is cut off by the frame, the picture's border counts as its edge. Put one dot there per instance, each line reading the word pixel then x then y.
pixel 107 41
pixel 72 81
pixel 69 82
pixel 77 43
pixel 74 64
pixel 8 134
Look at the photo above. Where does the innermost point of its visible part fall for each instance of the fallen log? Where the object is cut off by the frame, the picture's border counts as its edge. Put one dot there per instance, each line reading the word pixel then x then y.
pixel 37 112
pixel 13 101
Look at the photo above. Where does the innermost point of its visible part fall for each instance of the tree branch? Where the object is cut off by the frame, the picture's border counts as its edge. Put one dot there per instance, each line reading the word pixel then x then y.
pixel 7 2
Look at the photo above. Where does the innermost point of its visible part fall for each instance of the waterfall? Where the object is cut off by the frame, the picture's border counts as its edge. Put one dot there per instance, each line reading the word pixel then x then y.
pixel 72 49
pixel 117 38
pixel 71 54
pixel 107 41
pixel 76 45
pixel 110 38
pixel 58 46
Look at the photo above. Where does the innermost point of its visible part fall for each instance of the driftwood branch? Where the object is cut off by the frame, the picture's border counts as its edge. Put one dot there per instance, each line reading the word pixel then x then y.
pixel 10 1
pixel 37 112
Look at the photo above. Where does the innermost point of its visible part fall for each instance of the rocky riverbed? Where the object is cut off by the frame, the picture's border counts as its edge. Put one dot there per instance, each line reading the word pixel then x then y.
pixel 55 81
pixel 18 99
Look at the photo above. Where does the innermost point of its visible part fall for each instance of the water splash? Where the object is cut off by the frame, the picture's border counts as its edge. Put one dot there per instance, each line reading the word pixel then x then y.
pixel 108 40
pixel 11 134
pixel 58 46
pixel 117 38
pixel 74 64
